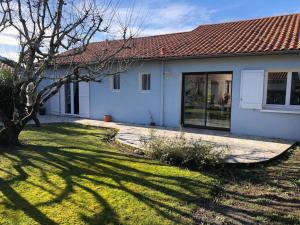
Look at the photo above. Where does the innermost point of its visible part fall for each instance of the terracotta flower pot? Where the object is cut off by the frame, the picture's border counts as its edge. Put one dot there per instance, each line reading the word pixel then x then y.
pixel 107 118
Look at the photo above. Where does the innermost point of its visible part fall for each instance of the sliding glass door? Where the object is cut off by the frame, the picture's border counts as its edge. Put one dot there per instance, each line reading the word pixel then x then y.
pixel 72 98
pixel 68 99
pixel 76 97
pixel 194 99
pixel 207 100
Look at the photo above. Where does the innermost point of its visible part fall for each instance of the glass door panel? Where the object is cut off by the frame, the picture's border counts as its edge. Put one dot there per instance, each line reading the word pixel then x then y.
pixel 207 100
pixel 68 100
pixel 72 98
pixel 76 97
pixel 218 100
pixel 194 99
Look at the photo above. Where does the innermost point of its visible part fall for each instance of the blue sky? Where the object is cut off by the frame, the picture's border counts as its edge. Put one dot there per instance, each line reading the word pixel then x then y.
pixel 168 16
pixel 178 15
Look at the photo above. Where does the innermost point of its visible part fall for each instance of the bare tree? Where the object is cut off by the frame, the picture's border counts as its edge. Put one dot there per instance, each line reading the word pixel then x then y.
pixel 46 28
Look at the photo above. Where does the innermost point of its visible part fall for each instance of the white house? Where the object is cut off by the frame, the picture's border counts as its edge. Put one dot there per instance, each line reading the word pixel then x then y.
pixel 241 76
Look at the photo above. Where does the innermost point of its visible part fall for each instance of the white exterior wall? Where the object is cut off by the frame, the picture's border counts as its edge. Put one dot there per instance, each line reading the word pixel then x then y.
pixel 131 105
pixel 243 121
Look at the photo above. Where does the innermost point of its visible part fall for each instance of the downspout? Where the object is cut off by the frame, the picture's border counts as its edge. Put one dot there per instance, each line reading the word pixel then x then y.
pixel 162 94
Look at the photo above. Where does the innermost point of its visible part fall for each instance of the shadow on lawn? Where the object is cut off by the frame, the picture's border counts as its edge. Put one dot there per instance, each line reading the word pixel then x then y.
pixel 257 194
pixel 95 162
pixel 90 164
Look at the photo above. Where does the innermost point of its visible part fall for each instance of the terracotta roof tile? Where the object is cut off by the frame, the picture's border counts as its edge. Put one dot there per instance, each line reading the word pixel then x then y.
pixel 266 35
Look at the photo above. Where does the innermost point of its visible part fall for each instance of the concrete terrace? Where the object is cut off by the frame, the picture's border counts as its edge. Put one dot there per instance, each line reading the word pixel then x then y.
pixel 242 149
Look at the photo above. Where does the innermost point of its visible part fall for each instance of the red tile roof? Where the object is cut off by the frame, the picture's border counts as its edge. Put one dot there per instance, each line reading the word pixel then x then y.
pixel 258 36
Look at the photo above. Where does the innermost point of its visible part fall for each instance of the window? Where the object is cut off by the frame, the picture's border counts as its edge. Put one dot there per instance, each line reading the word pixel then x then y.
pixel 116 82
pixel 276 89
pixel 145 82
pixel 295 89
pixel 283 88
pixel 228 86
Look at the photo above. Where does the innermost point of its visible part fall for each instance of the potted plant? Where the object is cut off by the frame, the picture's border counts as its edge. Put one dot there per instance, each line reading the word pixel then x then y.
pixel 152 124
pixel 107 118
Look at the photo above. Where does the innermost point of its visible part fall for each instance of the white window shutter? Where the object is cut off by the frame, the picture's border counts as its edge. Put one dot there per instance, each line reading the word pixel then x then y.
pixel 84 99
pixel 252 89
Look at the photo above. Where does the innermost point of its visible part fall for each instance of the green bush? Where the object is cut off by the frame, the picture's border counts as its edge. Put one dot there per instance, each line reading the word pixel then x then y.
pixel 184 152
pixel 6 92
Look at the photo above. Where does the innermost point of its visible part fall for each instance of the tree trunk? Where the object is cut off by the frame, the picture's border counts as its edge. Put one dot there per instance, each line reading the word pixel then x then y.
pixel 10 135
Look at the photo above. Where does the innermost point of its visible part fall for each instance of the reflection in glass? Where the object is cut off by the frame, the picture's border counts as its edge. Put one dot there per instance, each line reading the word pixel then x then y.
pixel 76 97
pixel 295 89
pixel 276 90
pixel 68 98
pixel 146 82
pixel 218 100
pixel 194 100
pixel 116 82
pixel 207 100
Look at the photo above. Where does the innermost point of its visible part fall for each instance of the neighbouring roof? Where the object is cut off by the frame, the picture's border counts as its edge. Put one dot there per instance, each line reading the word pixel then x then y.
pixel 271 35
pixel 7 62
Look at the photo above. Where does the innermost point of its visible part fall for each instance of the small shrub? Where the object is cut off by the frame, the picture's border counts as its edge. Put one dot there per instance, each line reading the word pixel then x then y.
pixel 110 135
pixel 182 151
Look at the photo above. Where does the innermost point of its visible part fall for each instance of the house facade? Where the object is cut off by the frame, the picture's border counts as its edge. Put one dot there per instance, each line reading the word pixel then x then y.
pixel 243 77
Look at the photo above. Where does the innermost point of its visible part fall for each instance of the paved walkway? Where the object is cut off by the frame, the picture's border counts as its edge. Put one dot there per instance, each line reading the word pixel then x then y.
pixel 242 149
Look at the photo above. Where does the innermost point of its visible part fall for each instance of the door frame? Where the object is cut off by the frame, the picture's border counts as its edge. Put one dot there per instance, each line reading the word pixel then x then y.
pixel 72 93
pixel 182 100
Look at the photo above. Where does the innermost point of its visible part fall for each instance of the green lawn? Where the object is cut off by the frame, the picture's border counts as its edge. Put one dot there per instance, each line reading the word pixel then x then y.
pixel 68 174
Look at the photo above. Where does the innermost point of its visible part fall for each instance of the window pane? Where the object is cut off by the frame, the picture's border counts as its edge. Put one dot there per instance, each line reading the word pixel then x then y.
pixel 194 99
pixel 295 89
pixel 146 82
pixel 276 90
pixel 116 82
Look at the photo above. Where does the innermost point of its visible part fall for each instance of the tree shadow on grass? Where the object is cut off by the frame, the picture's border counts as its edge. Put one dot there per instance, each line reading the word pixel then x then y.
pixel 101 167
pixel 78 165
pixel 20 203
pixel 95 165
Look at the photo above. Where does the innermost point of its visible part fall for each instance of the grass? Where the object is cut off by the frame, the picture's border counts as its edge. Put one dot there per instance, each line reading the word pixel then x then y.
pixel 68 174
pixel 266 193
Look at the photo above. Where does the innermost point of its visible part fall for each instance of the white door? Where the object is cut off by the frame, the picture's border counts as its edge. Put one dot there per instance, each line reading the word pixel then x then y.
pixel 84 99
pixel 75 99
pixel 69 99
